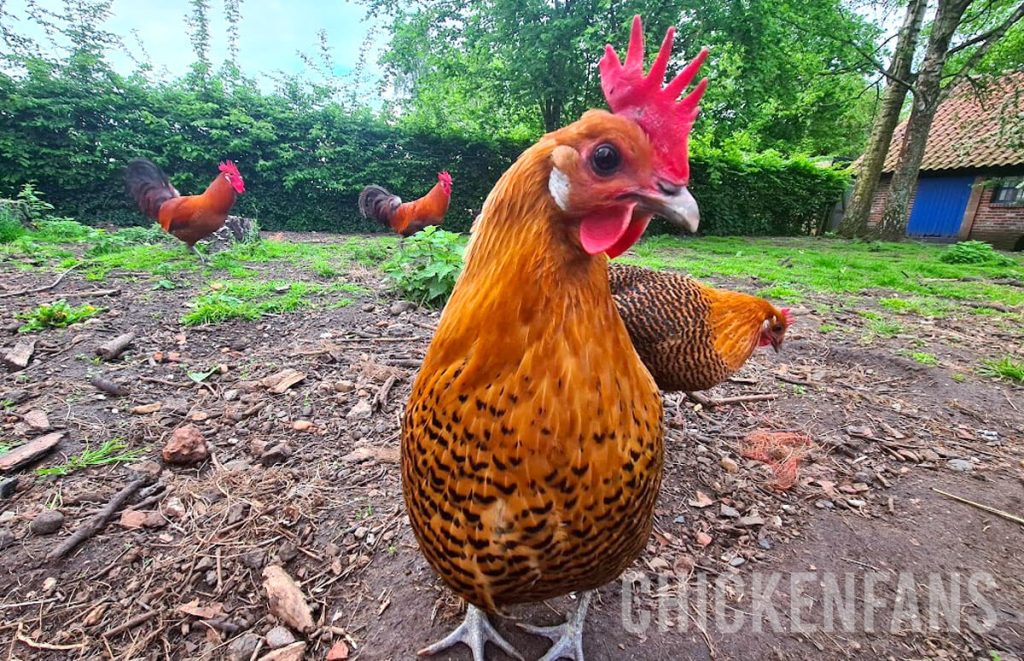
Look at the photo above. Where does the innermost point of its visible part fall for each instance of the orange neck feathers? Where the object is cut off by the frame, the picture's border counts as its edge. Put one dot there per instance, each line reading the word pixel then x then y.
pixel 220 195
pixel 736 323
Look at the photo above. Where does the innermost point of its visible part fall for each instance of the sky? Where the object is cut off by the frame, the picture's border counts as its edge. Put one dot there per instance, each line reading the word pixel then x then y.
pixel 271 33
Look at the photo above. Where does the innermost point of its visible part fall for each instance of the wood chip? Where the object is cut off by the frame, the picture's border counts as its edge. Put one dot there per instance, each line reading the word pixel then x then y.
pixel 30 452
pixel 145 409
pixel 283 380
pixel 285 599
pixel 388 455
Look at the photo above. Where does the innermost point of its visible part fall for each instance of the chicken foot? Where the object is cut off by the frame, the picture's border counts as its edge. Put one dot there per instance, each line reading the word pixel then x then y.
pixel 567 637
pixel 474 632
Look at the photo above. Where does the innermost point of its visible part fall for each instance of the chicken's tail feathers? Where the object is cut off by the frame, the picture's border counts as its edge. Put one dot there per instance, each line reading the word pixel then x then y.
pixel 148 186
pixel 376 202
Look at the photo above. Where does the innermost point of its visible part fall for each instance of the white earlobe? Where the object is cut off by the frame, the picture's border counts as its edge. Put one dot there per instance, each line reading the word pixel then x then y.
pixel 558 186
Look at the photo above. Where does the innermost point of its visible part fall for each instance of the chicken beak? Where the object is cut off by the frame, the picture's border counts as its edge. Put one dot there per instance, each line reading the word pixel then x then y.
pixel 776 343
pixel 675 204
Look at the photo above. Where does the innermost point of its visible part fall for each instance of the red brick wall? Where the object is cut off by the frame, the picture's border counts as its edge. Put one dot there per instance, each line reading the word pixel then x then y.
pixel 880 198
pixel 1002 225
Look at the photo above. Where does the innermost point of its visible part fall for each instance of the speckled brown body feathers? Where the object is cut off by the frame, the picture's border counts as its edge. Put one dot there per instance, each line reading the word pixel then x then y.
pixel 690 336
pixel 532 440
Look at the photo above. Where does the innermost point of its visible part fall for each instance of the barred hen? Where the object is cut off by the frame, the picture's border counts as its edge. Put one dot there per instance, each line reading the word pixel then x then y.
pixel 532 441
pixel 692 336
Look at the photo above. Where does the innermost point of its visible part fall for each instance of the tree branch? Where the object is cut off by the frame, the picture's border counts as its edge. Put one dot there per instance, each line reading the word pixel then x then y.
pixel 986 41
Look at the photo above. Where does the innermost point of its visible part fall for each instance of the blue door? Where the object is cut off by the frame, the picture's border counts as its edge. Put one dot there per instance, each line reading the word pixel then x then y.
pixel 939 206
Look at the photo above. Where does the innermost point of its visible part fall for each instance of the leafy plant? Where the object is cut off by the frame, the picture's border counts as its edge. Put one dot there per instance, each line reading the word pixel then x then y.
pixel 11 228
pixel 1004 368
pixel 973 252
pixel 924 358
pixel 426 267
pixel 111 452
pixel 56 315
pixel 38 208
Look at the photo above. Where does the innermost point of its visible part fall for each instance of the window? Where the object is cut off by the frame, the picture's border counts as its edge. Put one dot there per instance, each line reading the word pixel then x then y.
pixel 1009 191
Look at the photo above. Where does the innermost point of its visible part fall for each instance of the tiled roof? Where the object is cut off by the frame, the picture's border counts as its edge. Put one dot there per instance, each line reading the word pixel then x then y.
pixel 970 128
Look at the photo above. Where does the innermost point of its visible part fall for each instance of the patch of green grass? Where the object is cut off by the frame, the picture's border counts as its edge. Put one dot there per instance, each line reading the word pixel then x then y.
pixel 111 452
pixel 158 260
pixel 781 293
pixel 56 315
pixel 1004 368
pixel 922 307
pixel 834 266
pixel 105 243
pixel 959 378
pixel 885 328
pixel 5 447
pixel 248 300
pixel 826 328
pixel 924 358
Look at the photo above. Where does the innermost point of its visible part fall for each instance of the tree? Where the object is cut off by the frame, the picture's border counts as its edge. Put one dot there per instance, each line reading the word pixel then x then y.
pixel 855 220
pixel 520 67
pixel 929 93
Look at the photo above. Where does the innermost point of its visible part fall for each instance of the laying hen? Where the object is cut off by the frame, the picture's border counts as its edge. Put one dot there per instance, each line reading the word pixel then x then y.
pixel 689 335
pixel 190 218
pixel 532 442
pixel 409 217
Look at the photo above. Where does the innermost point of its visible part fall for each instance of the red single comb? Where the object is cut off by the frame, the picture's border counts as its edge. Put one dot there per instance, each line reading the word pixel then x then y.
pixel 789 317
pixel 632 94
pixel 230 168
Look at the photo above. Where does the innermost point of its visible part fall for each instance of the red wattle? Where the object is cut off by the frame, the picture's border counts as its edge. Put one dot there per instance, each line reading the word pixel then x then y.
pixel 603 231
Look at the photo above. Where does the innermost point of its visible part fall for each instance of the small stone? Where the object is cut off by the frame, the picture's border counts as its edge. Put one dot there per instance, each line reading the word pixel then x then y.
pixel 368 307
pixel 6 538
pixel 47 522
pixel 729 465
pixel 6 517
pixel 236 513
pixel 824 504
pixel 703 539
pixel 132 519
pixel 361 531
pixel 230 395
pixel 200 416
pixel 145 409
pixel 242 648
pixel 174 508
pixel 344 386
pixel 187 446
pixel 864 476
pixel 338 651
pixel 276 455
pixel 287 552
pixel 36 420
pixel 766 543
pixel 750 521
pixel 960 465
pixel 398 307
pixel 254 559
pixel 361 410
pixel 729 512
pixel 8 487
pixel 49 585
pixel 279 637
pixel 856 502
pixel 302 425
pixel 737 562
pixel 293 652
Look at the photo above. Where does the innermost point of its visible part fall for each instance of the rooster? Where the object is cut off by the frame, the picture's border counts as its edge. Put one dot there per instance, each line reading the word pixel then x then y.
pixel 409 217
pixel 689 335
pixel 190 218
pixel 532 441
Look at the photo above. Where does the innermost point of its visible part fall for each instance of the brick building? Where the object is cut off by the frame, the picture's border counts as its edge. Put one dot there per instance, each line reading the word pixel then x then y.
pixel 971 184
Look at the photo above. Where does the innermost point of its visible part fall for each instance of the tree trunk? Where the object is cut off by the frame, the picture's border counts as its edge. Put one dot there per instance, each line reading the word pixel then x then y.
pixel 927 96
pixel 855 221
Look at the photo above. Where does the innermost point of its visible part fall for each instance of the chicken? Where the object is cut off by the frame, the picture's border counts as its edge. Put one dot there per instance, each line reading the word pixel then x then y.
pixel 689 335
pixel 410 217
pixel 190 218
pixel 532 441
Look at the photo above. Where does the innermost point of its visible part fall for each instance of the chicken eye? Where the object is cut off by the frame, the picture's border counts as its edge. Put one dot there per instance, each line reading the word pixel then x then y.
pixel 605 159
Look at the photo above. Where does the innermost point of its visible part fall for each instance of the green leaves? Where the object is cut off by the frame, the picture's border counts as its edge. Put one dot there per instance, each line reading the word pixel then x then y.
pixel 426 267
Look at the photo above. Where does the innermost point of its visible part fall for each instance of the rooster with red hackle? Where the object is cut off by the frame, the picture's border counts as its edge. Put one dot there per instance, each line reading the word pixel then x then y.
pixel 407 218
pixel 190 218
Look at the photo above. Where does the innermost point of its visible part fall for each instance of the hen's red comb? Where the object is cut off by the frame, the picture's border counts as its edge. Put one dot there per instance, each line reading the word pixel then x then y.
pixel 632 94
pixel 788 315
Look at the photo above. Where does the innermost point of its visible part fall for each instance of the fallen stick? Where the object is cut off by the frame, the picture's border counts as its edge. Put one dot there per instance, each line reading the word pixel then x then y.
pixel 22 292
pixel 92 292
pixel 97 522
pixel 739 399
pixel 380 400
pixel 130 624
pixel 986 508
pixel 109 387
pixel 113 348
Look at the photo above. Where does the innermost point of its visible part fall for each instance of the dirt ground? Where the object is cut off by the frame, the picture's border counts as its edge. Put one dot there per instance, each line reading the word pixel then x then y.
pixel 305 477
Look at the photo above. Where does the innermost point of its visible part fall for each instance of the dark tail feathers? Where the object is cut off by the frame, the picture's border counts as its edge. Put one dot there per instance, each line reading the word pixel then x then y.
pixel 148 186
pixel 376 202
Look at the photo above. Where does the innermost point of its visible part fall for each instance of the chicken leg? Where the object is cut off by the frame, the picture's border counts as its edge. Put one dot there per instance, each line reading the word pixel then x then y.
pixel 567 637
pixel 202 259
pixel 474 632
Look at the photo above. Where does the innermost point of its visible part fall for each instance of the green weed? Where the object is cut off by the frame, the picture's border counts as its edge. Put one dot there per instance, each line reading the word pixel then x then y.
pixel 924 358
pixel 247 301
pixel 56 315
pixel 826 328
pixel 974 252
pixel 426 267
pixel 111 452
pixel 1004 368
pixel 10 227
pixel 885 328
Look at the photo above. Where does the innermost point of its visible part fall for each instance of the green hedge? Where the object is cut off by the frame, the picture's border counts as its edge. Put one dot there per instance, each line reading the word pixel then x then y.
pixel 71 130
